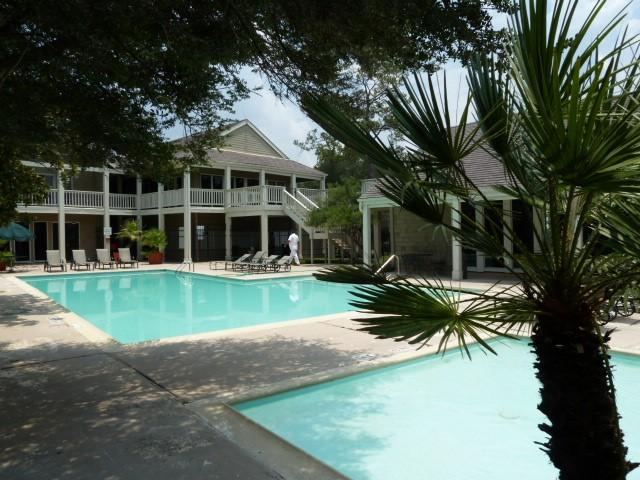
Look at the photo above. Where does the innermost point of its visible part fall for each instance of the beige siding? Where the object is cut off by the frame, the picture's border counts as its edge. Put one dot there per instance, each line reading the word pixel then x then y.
pixel 245 139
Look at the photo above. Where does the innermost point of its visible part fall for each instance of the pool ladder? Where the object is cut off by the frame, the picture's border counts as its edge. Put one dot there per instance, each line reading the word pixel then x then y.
pixel 186 266
pixel 388 261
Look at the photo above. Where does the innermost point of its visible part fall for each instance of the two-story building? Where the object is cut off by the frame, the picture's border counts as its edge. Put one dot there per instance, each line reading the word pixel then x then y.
pixel 248 196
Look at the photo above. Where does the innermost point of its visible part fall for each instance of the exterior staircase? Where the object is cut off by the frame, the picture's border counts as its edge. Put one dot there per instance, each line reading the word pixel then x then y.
pixel 298 208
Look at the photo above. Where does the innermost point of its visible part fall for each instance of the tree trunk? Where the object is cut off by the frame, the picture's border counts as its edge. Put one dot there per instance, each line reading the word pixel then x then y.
pixel 585 440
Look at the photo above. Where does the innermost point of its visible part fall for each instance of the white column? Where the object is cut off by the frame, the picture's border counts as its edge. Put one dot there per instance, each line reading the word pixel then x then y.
pixel 160 214
pixel 227 186
pixel 106 221
pixel 139 215
pixel 330 248
pixel 376 234
pixel 62 243
pixel 301 242
pixel 186 189
pixel 262 181
pixel 456 246
pixel 323 183
pixel 366 235
pixel 507 226
pixel 227 236
pixel 480 257
pixel 264 233
pixel 293 183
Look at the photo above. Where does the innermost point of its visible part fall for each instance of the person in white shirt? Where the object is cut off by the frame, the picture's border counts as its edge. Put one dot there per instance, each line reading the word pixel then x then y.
pixel 293 247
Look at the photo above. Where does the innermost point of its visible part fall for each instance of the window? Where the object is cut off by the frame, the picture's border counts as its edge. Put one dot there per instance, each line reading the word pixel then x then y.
pixel 211 181
pixel 50 178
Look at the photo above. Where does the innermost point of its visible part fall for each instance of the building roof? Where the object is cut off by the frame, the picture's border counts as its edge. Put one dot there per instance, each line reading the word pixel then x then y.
pixel 240 159
pixel 249 147
pixel 481 166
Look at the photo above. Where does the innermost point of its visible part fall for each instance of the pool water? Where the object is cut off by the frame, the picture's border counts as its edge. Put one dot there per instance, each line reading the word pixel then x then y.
pixel 139 306
pixel 437 418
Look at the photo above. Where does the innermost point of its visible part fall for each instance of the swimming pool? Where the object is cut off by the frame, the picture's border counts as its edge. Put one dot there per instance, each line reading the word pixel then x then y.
pixel 437 418
pixel 139 306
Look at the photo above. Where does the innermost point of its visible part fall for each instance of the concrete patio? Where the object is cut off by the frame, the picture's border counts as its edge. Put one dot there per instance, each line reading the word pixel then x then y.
pixel 74 407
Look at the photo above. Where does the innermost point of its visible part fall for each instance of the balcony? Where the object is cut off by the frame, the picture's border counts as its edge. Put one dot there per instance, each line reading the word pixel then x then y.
pixel 249 197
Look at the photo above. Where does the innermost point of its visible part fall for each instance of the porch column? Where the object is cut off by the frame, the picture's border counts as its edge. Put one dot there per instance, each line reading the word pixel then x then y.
pixel 106 221
pixel 323 183
pixel 480 257
pixel 62 243
pixel 376 235
pixel 264 233
pixel 330 248
pixel 263 187
pixel 227 186
pixel 139 215
pixel 186 203
pixel 227 236
pixel 311 247
pixel 293 183
pixel 456 246
pixel 507 226
pixel 160 214
pixel 366 234
pixel 300 241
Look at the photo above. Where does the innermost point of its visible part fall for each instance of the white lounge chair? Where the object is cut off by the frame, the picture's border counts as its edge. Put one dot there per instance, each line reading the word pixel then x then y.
pixel 283 264
pixel 249 263
pixel 103 258
pixel 265 264
pixel 125 258
pixel 54 260
pixel 80 260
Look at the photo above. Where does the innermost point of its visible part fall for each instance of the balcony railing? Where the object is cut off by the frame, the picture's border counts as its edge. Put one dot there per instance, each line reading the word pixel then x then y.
pixel 122 200
pixel 249 197
pixel 207 197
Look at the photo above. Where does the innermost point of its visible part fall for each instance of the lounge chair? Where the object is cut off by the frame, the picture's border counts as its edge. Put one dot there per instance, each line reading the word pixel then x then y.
pixel 234 264
pixel 265 264
pixel 284 264
pixel 125 258
pixel 103 259
pixel 80 260
pixel 249 263
pixel 54 260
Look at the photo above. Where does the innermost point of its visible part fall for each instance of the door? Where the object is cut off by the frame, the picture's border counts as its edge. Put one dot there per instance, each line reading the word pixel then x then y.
pixel 40 242
pixel 72 238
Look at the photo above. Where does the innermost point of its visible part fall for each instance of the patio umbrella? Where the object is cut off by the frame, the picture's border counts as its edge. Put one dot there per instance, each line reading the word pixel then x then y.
pixel 15 231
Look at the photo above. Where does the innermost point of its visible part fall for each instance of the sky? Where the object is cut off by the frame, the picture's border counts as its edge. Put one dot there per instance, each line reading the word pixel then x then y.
pixel 283 121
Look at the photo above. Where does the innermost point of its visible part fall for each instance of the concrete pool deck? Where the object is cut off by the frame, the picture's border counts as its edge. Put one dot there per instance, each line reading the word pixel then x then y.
pixel 74 407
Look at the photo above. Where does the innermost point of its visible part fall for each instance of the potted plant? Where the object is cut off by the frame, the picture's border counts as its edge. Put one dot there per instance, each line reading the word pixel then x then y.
pixel 155 240
pixel 5 259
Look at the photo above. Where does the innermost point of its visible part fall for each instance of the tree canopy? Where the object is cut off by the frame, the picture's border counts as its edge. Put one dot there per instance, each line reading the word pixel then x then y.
pixel 87 83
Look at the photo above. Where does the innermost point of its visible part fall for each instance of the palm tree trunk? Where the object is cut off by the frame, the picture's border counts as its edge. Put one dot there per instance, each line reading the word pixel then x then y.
pixel 578 399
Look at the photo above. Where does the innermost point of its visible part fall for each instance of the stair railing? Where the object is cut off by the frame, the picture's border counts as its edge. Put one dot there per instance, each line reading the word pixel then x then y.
pixel 388 261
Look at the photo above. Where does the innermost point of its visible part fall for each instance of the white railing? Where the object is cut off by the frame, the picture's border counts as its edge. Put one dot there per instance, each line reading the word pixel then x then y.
pixel 274 194
pixel 51 199
pixel 302 198
pixel 245 197
pixel 172 198
pixel 207 197
pixel 80 198
pixel 291 203
pixel 316 195
pixel 149 200
pixel 122 200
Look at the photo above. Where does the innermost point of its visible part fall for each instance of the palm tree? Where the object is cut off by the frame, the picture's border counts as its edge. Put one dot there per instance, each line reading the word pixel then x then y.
pixel 562 117
pixel 131 231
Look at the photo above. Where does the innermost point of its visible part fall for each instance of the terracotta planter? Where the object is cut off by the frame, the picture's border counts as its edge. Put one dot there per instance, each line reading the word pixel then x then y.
pixel 3 266
pixel 156 258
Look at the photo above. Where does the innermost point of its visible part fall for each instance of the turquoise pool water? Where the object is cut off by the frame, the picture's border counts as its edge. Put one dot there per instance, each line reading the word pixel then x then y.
pixel 437 418
pixel 133 307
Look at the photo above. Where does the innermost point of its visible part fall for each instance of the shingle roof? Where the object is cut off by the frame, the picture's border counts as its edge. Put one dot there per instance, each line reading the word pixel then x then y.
pixel 481 166
pixel 232 158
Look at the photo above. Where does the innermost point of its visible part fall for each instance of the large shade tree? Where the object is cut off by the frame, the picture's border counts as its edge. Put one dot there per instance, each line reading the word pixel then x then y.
pixel 90 83
pixel 563 119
